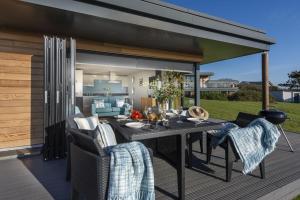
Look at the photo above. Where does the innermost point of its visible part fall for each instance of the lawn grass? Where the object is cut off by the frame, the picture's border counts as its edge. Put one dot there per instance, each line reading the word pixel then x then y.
pixel 228 110
pixel 297 198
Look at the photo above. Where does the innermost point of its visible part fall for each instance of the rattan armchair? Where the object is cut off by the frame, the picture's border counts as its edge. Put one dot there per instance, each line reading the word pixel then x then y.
pixel 90 167
pixel 70 124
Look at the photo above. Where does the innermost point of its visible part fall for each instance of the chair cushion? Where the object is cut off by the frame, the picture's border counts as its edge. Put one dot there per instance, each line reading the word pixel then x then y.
pixel 95 134
pixel 88 123
pixel 83 139
pixel 116 109
pixel 104 135
pixel 107 134
pixel 70 123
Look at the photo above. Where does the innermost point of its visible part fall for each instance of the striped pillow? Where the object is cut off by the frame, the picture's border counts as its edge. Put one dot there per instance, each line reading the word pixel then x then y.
pixel 88 123
pixel 103 134
pixel 106 135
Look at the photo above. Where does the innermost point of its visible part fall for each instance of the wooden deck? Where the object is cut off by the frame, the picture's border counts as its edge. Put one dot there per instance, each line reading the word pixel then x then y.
pixel 32 178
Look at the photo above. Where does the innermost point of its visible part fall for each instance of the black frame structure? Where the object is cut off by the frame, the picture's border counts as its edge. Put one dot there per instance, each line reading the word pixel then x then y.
pixel 59 93
pixel 197 84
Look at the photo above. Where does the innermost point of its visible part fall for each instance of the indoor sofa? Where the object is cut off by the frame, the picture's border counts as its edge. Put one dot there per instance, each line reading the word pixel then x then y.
pixel 110 107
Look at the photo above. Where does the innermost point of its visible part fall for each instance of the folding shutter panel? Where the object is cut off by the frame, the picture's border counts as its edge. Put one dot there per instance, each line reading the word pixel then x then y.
pixel 59 99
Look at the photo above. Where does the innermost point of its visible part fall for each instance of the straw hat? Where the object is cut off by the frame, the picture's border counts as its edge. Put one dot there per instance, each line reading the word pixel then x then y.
pixel 198 112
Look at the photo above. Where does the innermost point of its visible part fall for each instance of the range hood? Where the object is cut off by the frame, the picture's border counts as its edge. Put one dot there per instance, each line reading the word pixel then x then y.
pixel 112 79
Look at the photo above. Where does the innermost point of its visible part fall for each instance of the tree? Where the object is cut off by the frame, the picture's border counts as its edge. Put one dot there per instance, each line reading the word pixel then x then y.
pixel 293 82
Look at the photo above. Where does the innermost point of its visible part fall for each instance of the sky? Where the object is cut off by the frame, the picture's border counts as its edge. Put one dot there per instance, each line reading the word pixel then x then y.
pixel 279 18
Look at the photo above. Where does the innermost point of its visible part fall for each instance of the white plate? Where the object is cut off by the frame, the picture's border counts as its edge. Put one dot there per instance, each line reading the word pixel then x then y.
pixel 169 114
pixel 121 117
pixel 134 124
pixel 192 119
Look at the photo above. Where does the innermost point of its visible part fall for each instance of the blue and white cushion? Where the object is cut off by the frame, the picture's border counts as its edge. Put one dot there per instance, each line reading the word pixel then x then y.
pixel 88 123
pixel 99 103
pixel 106 135
pixel 120 102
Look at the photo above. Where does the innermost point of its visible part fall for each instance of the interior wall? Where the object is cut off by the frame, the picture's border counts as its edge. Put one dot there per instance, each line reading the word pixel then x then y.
pixel 140 90
pixel 79 83
pixel 88 80
pixel 138 68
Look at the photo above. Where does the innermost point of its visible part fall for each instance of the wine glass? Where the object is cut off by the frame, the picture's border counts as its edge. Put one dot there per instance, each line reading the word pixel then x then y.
pixel 179 111
pixel 147 111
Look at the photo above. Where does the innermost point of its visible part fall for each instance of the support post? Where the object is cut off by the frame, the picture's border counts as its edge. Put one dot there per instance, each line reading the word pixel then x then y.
pixel 197 84
pixel 182 95
pixel 265 80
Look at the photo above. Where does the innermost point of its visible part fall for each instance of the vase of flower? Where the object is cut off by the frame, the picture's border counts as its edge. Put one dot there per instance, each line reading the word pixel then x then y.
pixel 167 90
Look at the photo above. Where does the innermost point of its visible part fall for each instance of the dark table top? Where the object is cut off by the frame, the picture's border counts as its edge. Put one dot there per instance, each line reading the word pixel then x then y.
pixel 156 131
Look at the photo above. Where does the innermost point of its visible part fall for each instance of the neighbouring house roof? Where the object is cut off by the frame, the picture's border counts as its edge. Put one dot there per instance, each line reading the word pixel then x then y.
pixel 222 85
pixel 259 83
pixel 202 74
pixel 141 23
pixel 285 89
pixel 224 81
pixel 219 89
pixel 206 74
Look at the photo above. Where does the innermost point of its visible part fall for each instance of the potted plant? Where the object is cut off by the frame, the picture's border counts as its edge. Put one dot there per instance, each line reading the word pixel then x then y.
pixel 167 89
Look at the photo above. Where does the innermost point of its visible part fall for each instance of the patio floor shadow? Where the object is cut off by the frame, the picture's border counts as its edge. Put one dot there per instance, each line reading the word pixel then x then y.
pixel 33 178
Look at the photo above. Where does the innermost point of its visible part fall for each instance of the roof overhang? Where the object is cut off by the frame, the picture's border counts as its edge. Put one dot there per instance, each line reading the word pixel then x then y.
pixel 140 23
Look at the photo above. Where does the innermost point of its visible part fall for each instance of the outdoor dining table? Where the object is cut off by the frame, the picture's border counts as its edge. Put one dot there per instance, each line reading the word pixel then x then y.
pixel 180 130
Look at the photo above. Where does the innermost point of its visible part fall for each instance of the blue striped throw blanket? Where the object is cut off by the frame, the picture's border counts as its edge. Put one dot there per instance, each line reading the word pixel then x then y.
pixel 131 172
pixel 253 143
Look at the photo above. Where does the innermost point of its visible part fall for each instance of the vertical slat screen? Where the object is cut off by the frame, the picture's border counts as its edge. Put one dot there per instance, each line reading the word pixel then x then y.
pixel 59 92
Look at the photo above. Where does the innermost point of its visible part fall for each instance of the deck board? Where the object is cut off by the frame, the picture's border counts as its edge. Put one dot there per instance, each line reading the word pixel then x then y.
pixel 33 178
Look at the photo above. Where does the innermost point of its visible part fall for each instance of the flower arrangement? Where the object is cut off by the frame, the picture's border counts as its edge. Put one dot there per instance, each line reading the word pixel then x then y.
pixel 136 115
pixel 170 87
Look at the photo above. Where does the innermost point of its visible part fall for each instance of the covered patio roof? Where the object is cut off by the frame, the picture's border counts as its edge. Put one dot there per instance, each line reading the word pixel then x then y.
pixel 140 23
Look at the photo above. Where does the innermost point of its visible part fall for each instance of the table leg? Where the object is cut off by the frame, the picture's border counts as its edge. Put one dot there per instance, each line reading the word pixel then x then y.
pixel 181 145
pixel 190 150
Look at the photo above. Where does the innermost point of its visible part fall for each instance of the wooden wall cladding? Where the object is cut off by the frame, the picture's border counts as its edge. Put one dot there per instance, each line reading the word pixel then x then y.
pixel 21 89
pixel 103 47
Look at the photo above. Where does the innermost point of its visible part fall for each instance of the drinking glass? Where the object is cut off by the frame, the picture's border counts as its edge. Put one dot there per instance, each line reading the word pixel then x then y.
pixel 179 111
pixel 147 112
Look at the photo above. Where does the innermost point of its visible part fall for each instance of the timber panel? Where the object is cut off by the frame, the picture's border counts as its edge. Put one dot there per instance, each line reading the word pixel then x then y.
pixel 137 51
pixel 21 89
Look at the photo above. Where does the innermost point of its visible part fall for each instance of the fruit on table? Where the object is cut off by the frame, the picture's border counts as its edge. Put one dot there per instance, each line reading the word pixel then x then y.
pixel 136 115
